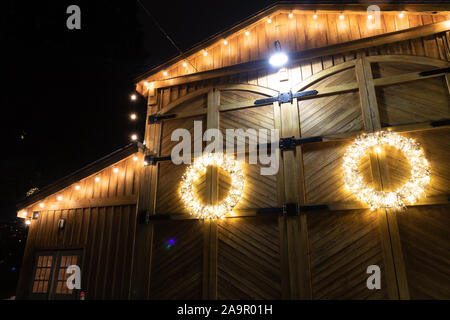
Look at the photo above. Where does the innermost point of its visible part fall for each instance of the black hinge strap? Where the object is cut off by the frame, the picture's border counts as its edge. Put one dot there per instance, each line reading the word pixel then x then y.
pixel 152 159
pixel 290 143
pixel 155 118
pixel 292 209
pixel 433 72
pixel 286 97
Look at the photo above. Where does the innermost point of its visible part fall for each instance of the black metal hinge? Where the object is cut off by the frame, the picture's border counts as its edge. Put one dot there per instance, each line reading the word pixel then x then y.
pixel 155 118
pixel 292 209
pixel 290 143
pixel 433 72
pixel 152 159
pixel 440 123
pixel 286 97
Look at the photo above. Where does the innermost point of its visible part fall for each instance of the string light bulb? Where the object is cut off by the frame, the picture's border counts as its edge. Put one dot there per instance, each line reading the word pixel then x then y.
pixel 27 222
pixel 408 193
pixel 59 198
pixel 115 170
pixel 315 16
pixel 184 64
pixel 133 97
pixel 135 159
pixel 341 16
pixel 205 53
pixel 97 179
pixel 370 17
pixel 291 15
pixel 41 205
pixel 225 42
pixel 401 15
pixel 77 187
pixel 133 116
pixel 165 73
pixel 134 137
pixel 247 33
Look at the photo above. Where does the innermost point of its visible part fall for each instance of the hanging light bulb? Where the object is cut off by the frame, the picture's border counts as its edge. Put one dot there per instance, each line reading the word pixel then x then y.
pixel 134 137
pixel 133 116
pixel 279 58
pixel 133 97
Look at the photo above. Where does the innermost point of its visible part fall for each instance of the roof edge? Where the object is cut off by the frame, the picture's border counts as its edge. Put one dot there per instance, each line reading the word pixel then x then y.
pixel 82 173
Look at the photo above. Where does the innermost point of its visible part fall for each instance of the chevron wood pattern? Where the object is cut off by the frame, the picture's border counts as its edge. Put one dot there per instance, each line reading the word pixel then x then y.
pixel 414 102
pixel 249 259
pixel 323 172
pixel 425 238
pixel 343 244
pixel 176 272
pixel 167 198
pixel 336 114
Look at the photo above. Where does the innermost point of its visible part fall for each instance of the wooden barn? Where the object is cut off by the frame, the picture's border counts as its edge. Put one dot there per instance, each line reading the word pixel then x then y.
pixel 302 233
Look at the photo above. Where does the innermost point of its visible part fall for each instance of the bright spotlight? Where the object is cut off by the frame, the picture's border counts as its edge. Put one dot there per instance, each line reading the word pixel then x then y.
pixel 279 58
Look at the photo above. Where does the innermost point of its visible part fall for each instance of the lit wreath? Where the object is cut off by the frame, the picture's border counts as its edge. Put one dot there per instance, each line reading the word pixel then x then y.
pixel 193 173
pixel 408 193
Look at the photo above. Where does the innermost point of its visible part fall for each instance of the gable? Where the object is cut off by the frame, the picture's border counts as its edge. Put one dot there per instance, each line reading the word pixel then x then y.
pixel 296 28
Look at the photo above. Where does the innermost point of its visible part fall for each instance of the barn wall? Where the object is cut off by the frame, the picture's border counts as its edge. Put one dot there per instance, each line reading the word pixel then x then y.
pixel 321 254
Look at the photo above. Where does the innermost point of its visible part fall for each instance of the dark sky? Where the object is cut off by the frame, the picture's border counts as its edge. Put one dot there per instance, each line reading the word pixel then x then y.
pixel 65 93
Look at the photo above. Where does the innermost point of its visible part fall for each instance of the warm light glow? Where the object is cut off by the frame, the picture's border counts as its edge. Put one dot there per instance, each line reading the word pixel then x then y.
pixel 135 158
pixel 133 116
pixel 184 64
pixel 341 17
pixel 278 59
pixel 145 163
pixel 145 84
pixel 27 222
pixel 205 53
pixel 165 73
pixel 291 15
pixel 41 205
pixel 59 198
pixel 133 97
pixel 97 179
pixel 315 16
pixel 194 172
pixel 401 15
pixel 378 150
pixel 23 214
pixel 269 20
pixel 408 193
pixel 369 17
pixel 77 187
pixel 115 170
pixel 247 33
pixel 225 42
pixel 134 137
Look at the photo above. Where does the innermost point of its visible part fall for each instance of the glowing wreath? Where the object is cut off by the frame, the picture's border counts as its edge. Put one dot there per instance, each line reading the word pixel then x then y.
pixel 408 193
pixel 193 173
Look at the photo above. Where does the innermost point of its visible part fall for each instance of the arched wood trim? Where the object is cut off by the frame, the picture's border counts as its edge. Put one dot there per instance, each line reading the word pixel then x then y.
pixel 186 98
pixel 249 88
pixel 409 59
pixel 323 74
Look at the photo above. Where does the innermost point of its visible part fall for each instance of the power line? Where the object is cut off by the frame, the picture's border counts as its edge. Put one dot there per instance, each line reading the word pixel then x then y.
pixel 165 33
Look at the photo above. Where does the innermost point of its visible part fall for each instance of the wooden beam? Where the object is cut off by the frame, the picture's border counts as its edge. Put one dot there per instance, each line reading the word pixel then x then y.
pixel 402 78
pixel 212 194
pixel 183 99
pixel 143 240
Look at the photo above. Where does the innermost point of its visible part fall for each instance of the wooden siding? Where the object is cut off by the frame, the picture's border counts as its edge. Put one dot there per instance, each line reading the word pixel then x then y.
pixel 301 32
pixel 105 236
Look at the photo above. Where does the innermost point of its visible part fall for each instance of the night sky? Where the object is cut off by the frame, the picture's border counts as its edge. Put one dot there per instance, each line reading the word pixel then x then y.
pixel 65 93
